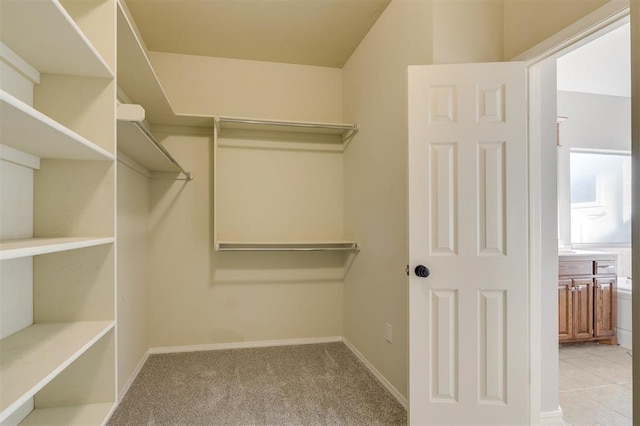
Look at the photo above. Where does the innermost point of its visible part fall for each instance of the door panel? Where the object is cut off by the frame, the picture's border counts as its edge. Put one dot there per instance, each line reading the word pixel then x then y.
pixel 565 310
pixel 606 307
pixel 469 344
pixel 583 308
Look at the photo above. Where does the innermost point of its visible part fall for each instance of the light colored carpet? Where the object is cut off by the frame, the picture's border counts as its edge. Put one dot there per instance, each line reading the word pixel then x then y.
pixel 319 384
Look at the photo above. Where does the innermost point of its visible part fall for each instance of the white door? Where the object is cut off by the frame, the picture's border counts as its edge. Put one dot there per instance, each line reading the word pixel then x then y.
pixel 468 320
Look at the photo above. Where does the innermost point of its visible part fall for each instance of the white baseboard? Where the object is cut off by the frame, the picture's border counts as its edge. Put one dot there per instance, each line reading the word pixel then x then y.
pixel 552 417
pixel 244 345
pixel 383 380
pixel 624 338
pixel 132 378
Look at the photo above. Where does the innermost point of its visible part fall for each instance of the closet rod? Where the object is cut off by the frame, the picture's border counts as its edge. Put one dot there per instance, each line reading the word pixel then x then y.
pixel 353 247
pixel 345 127
pixel 162 149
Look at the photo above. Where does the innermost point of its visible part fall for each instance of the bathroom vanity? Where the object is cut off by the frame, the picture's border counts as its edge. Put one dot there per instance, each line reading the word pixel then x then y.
pixel 587 297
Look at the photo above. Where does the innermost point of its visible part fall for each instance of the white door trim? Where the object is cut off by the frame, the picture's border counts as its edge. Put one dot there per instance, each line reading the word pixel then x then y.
pixel 609 16
pixel 615 12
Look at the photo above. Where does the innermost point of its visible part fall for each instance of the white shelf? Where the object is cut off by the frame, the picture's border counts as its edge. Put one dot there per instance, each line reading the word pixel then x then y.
pixel 43 34
pixel 32 357
pixel 80 415
pixel 345 131
pixel 288 246
pixel 12 249
pixel 138 79
pixel 27 129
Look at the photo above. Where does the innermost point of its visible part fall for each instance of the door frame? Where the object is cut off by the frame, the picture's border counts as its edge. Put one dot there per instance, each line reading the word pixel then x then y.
pixel 541 224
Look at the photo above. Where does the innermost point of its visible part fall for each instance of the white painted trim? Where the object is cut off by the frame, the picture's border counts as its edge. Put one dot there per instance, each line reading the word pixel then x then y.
pixel 578 33
pixel 244 345
pixel 625 339
pixel 22 67
pixel 535 241
pixel 552 417
pixel 132 378
pixel 18 157
pixel 602 20
pixel 377 374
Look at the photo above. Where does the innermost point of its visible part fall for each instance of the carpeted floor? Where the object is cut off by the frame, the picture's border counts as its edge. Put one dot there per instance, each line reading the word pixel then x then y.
pixel 320 384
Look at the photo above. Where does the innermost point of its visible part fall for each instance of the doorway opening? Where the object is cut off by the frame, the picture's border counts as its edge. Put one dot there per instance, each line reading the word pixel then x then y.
pixel 594 229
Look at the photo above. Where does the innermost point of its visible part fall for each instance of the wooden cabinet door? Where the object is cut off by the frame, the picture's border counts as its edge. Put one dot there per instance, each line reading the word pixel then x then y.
pixel 606 307
pixel 565 311
pixel 582 301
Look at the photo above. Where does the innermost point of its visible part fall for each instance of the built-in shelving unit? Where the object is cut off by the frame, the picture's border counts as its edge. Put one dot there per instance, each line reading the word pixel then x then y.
pixel 278 185
pixel 57 233
pixel 32 357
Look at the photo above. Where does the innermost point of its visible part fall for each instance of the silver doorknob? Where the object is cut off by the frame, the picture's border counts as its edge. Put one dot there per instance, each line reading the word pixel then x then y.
pixel 422 271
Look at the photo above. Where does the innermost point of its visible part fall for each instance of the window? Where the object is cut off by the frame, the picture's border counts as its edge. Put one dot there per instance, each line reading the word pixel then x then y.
pixel 600 196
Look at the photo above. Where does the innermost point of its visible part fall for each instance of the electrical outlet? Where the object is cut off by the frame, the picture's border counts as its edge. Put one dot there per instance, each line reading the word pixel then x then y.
pixel 388 333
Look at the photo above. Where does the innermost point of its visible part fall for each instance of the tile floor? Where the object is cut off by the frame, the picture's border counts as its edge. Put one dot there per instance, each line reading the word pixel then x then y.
pixel 595 384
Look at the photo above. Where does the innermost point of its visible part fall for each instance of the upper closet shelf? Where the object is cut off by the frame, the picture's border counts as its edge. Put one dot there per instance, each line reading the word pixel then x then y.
pixel 27 129
pixel 135 140
pixel 288 246
pixel 43 34
pixel 138 80
pixel 344 131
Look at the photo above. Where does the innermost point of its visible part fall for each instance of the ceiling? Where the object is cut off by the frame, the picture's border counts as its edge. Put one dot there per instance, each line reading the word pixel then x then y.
pixel 307 32
pixel 602 66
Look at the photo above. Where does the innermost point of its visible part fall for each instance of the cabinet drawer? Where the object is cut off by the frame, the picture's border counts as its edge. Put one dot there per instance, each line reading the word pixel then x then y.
pixel 604 267
pixel 578 267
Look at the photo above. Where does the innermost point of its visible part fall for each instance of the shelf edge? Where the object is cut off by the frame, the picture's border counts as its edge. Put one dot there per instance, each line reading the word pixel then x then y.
pixel 44 119
pixel 73 244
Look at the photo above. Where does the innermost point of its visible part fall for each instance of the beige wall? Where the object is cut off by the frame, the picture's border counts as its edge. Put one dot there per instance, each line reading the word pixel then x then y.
pixel 198 296
pixel 233 87
pixel 375 168
pixel 467 31
pixel 528 22
pixel 408 33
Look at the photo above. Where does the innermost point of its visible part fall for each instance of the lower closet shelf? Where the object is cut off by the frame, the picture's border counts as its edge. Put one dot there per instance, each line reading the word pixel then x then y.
pixel 90 414
pixel 32 357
